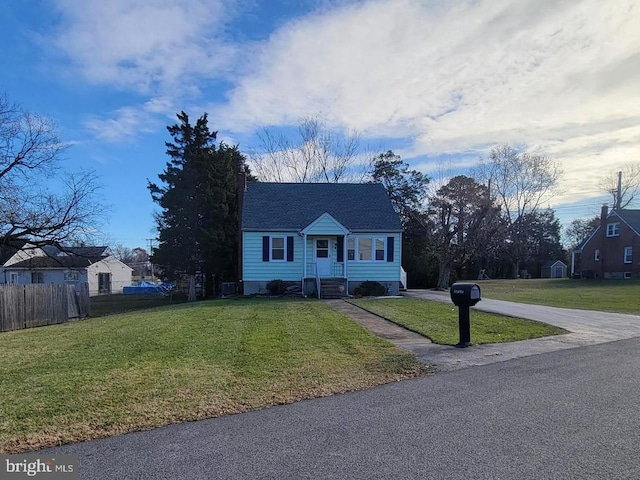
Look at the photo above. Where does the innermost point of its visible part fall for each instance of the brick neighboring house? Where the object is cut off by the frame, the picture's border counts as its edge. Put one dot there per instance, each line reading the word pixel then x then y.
pixel 612 250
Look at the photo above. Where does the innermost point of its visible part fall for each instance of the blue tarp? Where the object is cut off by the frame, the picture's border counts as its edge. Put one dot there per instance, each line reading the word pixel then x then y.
pixel 148 288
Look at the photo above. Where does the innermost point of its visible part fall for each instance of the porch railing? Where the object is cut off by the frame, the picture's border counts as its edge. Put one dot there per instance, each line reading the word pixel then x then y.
pixel 336 270
pixel 310 270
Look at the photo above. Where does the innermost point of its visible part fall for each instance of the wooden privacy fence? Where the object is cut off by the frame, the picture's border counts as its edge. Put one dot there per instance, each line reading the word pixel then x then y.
pixel 35 305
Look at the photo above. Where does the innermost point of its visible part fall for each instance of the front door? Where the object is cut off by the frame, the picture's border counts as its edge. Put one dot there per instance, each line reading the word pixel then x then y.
pixel 322 256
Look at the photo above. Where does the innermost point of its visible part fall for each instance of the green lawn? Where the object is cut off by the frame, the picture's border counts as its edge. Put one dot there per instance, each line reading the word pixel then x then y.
pixel 621 296
pixel 102 305
pixel 121 373
pixel 439 321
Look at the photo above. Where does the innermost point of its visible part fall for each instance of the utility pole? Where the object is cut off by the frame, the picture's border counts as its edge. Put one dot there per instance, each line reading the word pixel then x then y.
pixel 619 194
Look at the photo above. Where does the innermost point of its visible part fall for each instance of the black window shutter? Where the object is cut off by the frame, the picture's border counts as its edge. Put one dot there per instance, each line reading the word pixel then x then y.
pixel 340 240
pixel 289 249
pixel 390 249
pixel 265 248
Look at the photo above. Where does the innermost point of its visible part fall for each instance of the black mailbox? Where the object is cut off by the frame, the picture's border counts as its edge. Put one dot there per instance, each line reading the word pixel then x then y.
pixel 465 294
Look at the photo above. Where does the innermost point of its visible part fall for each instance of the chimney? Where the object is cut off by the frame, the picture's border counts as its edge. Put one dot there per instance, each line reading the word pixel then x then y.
pixel 604 212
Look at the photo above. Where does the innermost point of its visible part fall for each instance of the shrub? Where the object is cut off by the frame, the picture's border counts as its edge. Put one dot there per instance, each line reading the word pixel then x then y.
pixel 276 287
pixel 370 289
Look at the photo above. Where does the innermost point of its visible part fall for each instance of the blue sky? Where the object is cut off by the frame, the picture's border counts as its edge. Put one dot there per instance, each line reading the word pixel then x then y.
pixel 439 82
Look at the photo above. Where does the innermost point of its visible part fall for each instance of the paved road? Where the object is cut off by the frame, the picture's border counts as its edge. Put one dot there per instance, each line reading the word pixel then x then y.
pixel 585 328
pixel 567 414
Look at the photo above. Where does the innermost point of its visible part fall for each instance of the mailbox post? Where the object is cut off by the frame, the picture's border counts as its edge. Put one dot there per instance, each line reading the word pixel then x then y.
pixel 464 295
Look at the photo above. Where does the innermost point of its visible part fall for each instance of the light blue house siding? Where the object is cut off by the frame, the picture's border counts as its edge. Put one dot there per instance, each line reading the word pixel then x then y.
pixel 256 272
pixel 379 271
pixel 323 237
pixel 325 225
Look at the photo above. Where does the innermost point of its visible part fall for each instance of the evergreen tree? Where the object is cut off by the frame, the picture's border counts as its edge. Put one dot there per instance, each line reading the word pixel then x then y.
pixel 198 221
pixel 406 188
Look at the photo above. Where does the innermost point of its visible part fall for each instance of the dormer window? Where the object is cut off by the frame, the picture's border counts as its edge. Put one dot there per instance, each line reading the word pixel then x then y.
pixel 613 229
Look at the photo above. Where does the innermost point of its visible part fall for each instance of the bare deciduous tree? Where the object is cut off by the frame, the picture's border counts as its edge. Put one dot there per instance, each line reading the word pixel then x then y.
pixel 623 186
pixel 317 155
pixel 30 153
pixel 520 181
pixel 579 229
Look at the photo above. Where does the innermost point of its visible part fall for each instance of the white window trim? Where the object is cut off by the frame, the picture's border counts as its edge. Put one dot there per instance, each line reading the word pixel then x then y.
pixel 72 276
pixel 628 255
pixel 356 253
pixel 613 229
pixel 37 275
pixel 284 248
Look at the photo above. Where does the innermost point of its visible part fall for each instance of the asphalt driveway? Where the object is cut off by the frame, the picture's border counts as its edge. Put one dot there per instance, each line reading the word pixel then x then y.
pixel 584 327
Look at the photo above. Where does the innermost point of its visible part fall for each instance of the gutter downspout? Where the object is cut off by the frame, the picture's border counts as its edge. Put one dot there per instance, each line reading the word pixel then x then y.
pixel 345 254
pixel 304 260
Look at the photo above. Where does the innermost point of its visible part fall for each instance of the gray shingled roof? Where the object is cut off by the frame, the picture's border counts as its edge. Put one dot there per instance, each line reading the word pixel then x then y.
pixel 53 251
pixel 632 217
pixel 293 206
pixel 56 262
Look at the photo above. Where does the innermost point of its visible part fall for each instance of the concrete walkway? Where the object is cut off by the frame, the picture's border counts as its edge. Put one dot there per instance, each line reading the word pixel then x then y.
pixel 379 326
pixel 584 327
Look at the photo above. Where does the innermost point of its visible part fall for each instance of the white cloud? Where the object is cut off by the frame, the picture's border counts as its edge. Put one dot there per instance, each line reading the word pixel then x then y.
pixel 144 45
pixel 455 78
pixel 562 78
pixel 160 50
pixel 131 121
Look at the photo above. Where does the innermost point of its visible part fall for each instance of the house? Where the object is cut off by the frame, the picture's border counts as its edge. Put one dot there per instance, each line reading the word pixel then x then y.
pixel 71 265
pixel 13 252
pixel 554 269
pixel 609 251
pixel 331 236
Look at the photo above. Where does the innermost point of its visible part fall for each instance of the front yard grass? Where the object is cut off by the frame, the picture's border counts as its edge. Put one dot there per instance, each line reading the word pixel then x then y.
pixel 116 374
pixel 619 296
pixel 439 321
pixel 102 305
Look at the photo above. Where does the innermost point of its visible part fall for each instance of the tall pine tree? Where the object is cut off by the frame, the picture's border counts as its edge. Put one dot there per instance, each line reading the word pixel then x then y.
pixel 198 221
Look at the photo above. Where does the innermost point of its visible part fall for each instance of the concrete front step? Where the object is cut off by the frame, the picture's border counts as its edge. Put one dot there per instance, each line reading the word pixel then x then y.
pixel 330 288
